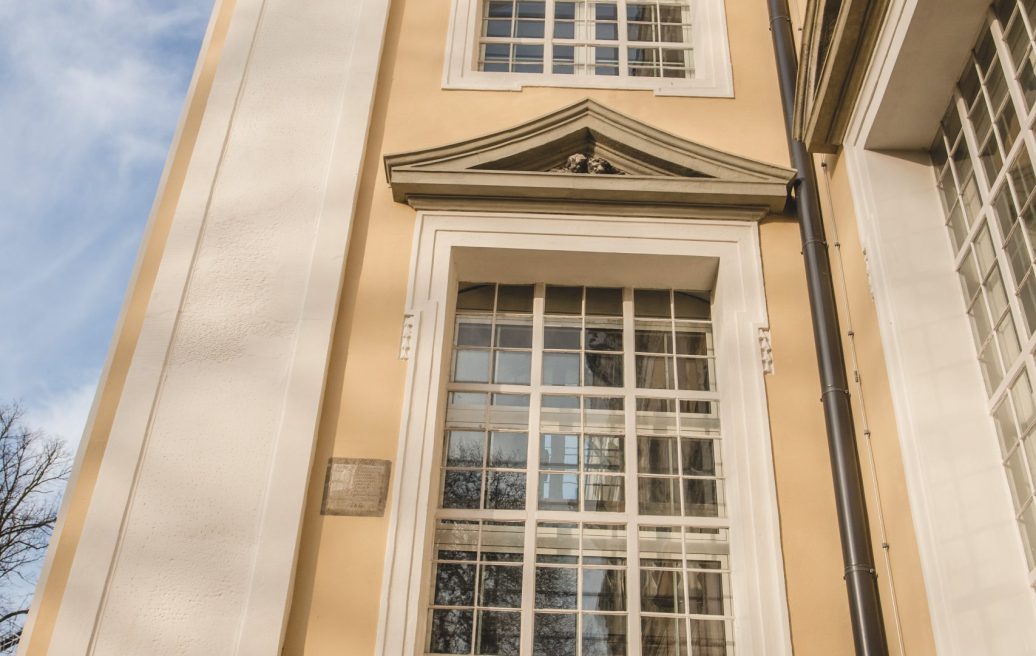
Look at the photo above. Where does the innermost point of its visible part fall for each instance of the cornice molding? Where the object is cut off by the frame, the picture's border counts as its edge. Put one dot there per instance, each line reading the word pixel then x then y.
pixel 519 166
pixel 828 87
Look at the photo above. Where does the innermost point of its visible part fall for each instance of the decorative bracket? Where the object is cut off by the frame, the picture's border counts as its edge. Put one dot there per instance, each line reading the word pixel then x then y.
pixel 765 349
pixel 406 338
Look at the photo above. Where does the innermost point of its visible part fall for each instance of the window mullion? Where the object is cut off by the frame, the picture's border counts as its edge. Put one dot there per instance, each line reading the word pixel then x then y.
pixel 1014 89
pixel 629 379
pixel 532 475
pixel 621 41
pixel 971 139
pixel 548 40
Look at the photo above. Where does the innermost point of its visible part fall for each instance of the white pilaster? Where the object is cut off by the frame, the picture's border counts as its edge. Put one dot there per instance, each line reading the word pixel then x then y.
pixel 190 540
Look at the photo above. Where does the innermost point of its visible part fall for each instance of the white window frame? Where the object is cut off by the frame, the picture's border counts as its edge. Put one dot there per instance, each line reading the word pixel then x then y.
pixel 449 246
pixel 713 76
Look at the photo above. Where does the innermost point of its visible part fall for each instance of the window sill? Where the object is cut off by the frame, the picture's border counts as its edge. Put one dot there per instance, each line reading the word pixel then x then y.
pixel 481 81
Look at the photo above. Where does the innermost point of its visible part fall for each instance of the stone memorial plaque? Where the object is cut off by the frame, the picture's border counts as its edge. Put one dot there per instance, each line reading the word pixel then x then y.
pixel 356 487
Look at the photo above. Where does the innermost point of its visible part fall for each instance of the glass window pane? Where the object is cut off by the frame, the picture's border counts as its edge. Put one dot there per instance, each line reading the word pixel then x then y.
pixel 462 489
pixel 501 586
pixel 476 296
pixel 662 635
pixel 691 305
pixel 692 343
pixel 563 300
pixel 604 589
pixel 451 632
pixel 556 587
pixel 560 368
pixel 465 449
pixel 508 449
pixel 1021 396
pixel 499 633
pixel 698 456
pixel 559 451
pixel 471 366
pixel 654 341
pixel 500 9
pixel 530 29
pixel 515 298
pixel 1005 427
pixel 604 338
pixel 602 453
pixel 564 30
pixel 562 337
pixel 498 28
pixel 531 9
pixel 1016 477
pixel 604 493
pixel 654 372
pixel 651 303
pixel 554 635
pixel 505 490
pixel 604 635
pixel 700 497
pixel 474 332
pixel 658 496
pixel 559 491
pixel 705 592
pixel 514 335
pixel 607 31
pixel 661 591
pixel 512 367
pixel 1028 526
pixel 708 638
pixel 694 374
pixel 557 542
pixel 455 584
pixel 1027 296
pixel 603 370
pixel 656 455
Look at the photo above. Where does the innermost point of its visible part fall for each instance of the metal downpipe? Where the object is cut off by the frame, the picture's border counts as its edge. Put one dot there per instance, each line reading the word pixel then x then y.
pixel 860 576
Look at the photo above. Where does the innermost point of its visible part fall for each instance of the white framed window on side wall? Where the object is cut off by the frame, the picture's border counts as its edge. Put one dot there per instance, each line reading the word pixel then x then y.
pixel 585 425
pixel 673 47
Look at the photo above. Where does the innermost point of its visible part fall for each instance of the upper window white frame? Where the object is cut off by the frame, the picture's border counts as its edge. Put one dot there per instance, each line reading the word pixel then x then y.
pixel 605 251
pixel 713 76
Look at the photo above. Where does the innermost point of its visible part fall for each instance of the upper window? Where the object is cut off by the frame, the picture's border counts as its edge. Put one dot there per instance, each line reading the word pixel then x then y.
pixel 671 46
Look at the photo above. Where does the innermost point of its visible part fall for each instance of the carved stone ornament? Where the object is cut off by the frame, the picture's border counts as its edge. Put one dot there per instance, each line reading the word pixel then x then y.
pixel 593 165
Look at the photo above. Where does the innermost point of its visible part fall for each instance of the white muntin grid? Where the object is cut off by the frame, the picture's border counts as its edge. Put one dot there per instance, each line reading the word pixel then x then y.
pixel 609 38
pixel 608 417
pixel 982 157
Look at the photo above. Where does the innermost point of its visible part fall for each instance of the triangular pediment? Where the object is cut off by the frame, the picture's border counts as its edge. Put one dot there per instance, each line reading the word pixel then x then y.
pixel 586 153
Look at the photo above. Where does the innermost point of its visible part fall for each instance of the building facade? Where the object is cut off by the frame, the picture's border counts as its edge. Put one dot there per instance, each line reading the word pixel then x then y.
pixel 481 327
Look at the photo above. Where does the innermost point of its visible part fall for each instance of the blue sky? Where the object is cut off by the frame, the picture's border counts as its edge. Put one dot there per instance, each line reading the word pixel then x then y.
pixel 90 95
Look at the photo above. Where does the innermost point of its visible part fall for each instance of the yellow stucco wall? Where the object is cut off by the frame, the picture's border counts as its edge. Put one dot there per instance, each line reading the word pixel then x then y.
pixel 884 473
pixel 339 574
pixel 338 580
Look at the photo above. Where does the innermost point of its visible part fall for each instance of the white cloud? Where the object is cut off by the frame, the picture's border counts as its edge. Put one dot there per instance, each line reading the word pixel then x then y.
pixel 90 93
pixel 64 415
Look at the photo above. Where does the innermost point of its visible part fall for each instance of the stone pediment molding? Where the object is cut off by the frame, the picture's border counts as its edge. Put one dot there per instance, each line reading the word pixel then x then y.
pixel 580 158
